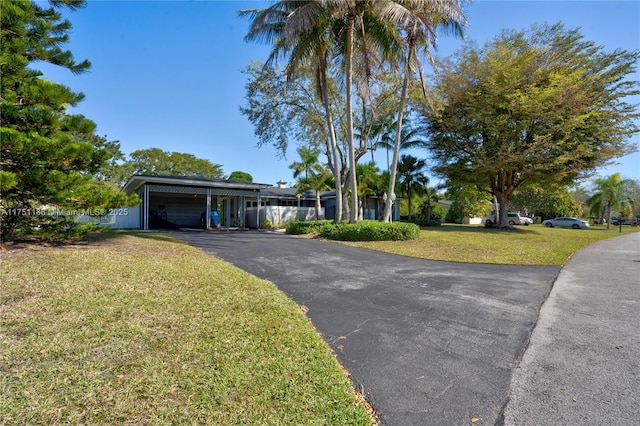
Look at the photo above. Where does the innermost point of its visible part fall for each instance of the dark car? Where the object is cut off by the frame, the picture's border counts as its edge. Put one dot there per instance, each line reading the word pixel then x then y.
pixel 617 221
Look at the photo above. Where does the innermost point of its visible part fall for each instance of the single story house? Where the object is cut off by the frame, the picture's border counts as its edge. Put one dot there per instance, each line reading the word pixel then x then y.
pixel 195 202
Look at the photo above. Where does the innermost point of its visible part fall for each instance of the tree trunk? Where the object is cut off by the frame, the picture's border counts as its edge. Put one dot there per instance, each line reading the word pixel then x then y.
pixel 503 203
pixel 353 184
pixel 318 206
pixel 396 147
pixel 336 169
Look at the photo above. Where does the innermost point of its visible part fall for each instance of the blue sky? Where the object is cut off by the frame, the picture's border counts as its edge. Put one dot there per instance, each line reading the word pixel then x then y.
pixel 168 74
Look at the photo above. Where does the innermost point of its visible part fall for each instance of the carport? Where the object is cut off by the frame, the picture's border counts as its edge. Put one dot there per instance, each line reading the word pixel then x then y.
pixel 172 202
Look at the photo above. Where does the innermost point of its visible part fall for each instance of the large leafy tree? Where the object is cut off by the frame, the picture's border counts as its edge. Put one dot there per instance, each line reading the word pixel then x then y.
pixel 240 176
pixel 538 107
pixel 612 192
pixel 467 201
pixel 156 162
pixel 546 203
pixel 48 158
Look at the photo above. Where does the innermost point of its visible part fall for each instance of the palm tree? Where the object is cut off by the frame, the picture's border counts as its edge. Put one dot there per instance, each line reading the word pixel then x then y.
pixel 369 183
pixel 308 163
pixel 411 175
pixel 431 196
pixel 612 192
pixel 316 177
pixel 349 21
pixel 318 180
pixel 418 21
pixel 287 26
pixel 409 138
pixel 311 30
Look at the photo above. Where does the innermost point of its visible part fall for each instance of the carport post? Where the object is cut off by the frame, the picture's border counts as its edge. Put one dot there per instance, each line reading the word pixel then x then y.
pixel 258 210
pixel 145 209
pixel 207 222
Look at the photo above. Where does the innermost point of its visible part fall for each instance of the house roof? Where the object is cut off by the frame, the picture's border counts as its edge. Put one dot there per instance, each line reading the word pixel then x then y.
pixel 283 193
pixel 136 181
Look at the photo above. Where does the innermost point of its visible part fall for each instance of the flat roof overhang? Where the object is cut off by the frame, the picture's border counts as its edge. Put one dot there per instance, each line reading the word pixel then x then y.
pixel 137 181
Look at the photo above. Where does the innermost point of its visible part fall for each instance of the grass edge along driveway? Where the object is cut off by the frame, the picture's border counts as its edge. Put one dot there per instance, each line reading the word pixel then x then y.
pixel 533 245
pixel 136 328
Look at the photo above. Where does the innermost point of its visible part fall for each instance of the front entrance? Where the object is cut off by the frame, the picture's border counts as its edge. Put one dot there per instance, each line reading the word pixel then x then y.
pixel 194 206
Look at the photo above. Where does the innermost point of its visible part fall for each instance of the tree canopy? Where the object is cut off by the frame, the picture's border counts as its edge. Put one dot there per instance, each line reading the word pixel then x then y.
pixel 542 106
pixel 240 176
pixel 156 162
pixel 48 158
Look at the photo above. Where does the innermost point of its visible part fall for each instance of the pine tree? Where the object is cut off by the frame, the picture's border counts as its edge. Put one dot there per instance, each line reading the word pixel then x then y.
pixel 48 158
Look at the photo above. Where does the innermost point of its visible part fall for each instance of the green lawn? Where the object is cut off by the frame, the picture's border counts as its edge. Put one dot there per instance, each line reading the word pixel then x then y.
pixel 525 245
pixel 135 328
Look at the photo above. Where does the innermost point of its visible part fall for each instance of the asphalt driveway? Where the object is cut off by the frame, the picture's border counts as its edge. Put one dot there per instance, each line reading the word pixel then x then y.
pixel 427 342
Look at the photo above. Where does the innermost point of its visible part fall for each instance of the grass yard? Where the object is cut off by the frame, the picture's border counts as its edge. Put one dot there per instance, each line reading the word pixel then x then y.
pixel 135 328
pixel 530 245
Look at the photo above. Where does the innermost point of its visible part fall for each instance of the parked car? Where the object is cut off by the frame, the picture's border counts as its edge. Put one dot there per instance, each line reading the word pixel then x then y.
pixel 617 221
pixel 597 220
pixel 518 219
pixel 566 222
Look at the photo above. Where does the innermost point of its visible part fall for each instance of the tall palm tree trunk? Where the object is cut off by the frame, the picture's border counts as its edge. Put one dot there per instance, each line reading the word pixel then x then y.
pixel 353 184
pixel 335 169
pixel 396 147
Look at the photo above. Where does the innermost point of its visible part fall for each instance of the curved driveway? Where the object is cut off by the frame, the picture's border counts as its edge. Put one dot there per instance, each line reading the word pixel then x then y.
pixel 427 342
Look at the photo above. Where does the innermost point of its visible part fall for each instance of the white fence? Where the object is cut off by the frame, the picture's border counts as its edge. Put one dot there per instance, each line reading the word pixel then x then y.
pixel 120 218
pixel 279 215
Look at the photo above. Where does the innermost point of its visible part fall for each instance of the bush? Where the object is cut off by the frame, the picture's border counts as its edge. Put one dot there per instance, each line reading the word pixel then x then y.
pixel 297 228
pixel 369 230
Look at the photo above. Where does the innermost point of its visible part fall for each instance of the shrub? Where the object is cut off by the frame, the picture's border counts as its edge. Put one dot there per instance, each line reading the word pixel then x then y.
pixel 297 228
pixel 455 213
pixel 265 223
pixel 369 230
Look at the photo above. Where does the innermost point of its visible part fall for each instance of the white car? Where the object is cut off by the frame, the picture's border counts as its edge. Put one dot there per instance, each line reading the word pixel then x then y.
pixel 518 219
pixel 566 222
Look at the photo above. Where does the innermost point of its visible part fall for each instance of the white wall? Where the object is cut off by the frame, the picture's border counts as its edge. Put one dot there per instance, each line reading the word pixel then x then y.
pixel 121 218
pixel 472 221
pixel 279 215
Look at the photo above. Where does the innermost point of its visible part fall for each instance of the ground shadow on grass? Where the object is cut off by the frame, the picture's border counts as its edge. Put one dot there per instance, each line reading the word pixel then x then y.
pixel 156 235
pixel 480 229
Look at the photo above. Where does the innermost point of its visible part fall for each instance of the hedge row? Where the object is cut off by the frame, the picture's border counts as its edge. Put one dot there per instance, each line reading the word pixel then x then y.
pixel 298 228
pixel 366 230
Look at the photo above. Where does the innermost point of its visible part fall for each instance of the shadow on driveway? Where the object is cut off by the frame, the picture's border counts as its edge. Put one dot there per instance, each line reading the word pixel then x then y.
pixel 428 342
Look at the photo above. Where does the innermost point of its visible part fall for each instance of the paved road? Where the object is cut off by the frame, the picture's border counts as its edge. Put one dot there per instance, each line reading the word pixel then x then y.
pixel 429 343
pixel 582 366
